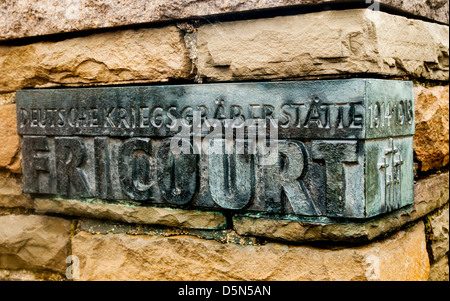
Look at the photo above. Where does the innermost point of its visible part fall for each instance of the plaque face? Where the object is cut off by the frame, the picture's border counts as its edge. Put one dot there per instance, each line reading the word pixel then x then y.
pixel 335 148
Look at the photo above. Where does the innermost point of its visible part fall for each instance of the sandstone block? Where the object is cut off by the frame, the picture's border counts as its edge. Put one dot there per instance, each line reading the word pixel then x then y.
pixel 431 140
pixel 11 193
pixel 7 98
pixel 438 238
pixel 25 18
pixel 439 271
pixel 134 214
pixel 323 43
pixel 124 56
pixel 26 275
pixel 34 242
pixel 9 140
pixel 402 256
pixel 430 194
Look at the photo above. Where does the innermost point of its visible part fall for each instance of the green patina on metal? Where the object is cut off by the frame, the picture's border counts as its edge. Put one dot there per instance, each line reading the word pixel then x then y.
pixel 330 148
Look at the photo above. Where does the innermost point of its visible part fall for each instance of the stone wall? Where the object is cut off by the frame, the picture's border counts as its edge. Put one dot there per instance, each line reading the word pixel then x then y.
pixel 223 41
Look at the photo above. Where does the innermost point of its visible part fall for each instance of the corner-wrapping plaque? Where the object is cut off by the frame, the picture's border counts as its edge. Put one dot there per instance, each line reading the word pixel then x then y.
pixel 335 148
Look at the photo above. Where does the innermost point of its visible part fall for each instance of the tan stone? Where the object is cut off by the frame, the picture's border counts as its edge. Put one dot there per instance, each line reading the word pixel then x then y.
pixel 123 56
pixel 439 271
pixel 25 18
pixel 438 236
pixel 134 214
pixel 9 140
pixel 11 193
pixel 401 256
pixel 323 43
pixel 26 275
pixel 7 98
pixel 430 194
pixel 34 242
pixel 431 140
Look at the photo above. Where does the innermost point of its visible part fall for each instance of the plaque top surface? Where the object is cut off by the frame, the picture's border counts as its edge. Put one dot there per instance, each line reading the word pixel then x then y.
pixel 326 109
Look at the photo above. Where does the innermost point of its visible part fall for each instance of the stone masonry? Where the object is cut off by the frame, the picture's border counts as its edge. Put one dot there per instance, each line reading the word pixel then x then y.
pixel 82 44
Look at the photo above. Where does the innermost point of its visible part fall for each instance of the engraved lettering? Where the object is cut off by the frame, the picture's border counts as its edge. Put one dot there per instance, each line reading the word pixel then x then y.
pixel 268 111
pixel 298 115
pixel 400 113
pixel 102 168
pixel 108 121
pixel 220 110
pixel 144 113
pixel 123 117
pixel 231 176
pixel 253 113
pixel 172 117
pixel 186 115
pixel 70 155
pixel 409 112
pixel 325 107
pixel 313 116
pixel 93 120
pixel 157 117
pixel 203 114
pixel 34 118
pixel 177 174
pixel 134 168
pixel 23 117
pixel 356 117
pixel 388 114
pixel 35 162
pixel 61 118
pixel 335 154
pixel 390 166
pixel 286 116
pixel 286 175
pixel 52 115
pixel 42 116
pixel 341 121
pixel 236 115
pixel 82 117
pixel 375 115
pixel 125 144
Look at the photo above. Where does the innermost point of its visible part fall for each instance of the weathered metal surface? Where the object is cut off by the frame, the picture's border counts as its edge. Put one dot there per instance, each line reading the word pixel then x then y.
pixel 347 109
pixel 343 150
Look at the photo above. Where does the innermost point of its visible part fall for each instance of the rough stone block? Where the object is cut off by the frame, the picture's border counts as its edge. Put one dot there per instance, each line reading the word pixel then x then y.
pixel 11 195
pixel 134 214
pixel 9 140
pixel 7 98
pixel 34 242
pixel 438 236
pixel 118 57
pixel 323 43
pixel 27 275
pixel 439 271
pixel 431 193
pixel 401 256
pixel 25 18
pixel 431 140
